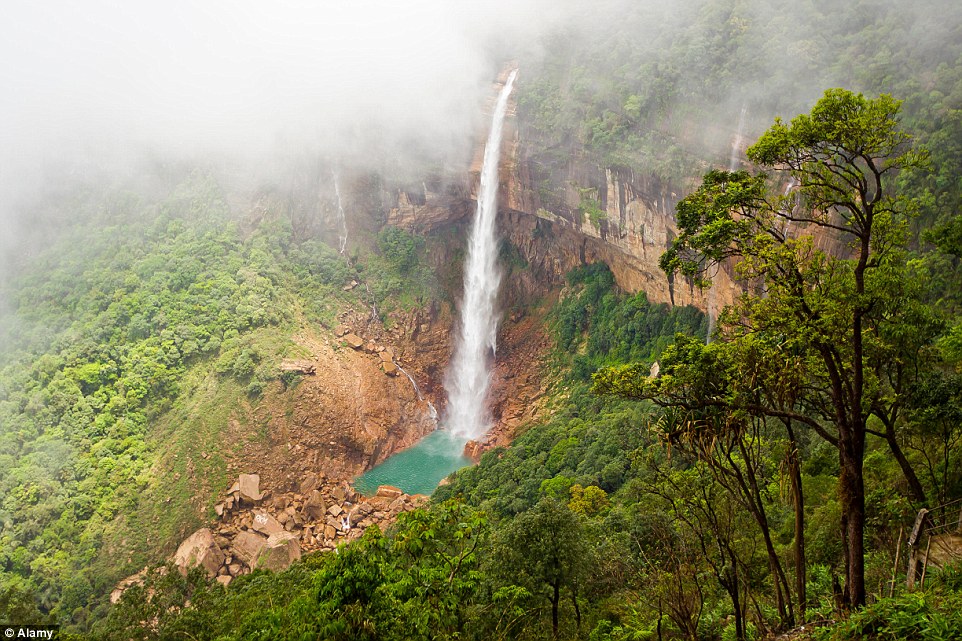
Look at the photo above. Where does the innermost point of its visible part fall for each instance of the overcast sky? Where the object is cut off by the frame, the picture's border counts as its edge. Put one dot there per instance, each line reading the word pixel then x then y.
pixel 94 83
pixel 98 79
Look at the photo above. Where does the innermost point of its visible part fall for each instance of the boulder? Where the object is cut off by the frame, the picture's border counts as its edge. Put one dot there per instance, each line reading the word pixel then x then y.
pixel 473 450
pixel 380 502
pixel 130 581
pixel 247 546
pixel 386 356
pixel 389 368
pixel 281 550
pixel 266 524
pixel 249 486
pixel 335 510
pixel 224 579
pixel 341 330
pixel 353 341
pixel 370 347
pixel 310 483
pixel 314 506
pixel 389 491
pixel 299 367
pixel 199 549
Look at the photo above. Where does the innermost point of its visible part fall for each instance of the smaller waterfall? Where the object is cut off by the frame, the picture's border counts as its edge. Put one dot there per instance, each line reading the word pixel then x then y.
pixel 432 412
pixel 732 166
pixel 341 220
pixel 737 143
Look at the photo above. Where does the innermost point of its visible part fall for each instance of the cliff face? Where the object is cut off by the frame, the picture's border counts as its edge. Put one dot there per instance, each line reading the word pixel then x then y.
pixel 598 214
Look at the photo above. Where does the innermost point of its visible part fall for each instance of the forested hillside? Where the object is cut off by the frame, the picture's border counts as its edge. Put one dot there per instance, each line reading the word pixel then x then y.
pixel 729 477
pixel 120 331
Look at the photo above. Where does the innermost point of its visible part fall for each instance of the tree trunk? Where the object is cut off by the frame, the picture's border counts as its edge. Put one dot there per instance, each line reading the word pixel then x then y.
pixel 915 486
pixel 574 600
pixel 798 499
pixel 730 583
pixel 659 618
pixel 555 597
pixel 853 506
pixel 756 506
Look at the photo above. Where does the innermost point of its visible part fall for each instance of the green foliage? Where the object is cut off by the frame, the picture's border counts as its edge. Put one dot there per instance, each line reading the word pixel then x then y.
pixel 415 582
pixel 590 206
pixel 115 330
pixel 588 501
pixel 399 247
pixel 653 88
pixel 543 550
pixel 596 325
pixel 931 615
pixel 397 276
pixel 104 330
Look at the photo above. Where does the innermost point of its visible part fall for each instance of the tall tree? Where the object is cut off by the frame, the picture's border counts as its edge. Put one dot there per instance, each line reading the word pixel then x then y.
pixel 827 279
pixel 545 551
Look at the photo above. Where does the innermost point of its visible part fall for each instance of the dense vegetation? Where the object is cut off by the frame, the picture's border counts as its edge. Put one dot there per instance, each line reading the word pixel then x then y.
pixel 761 481
pixel 662 90
pixel 721 519
pixel 114 328
pixel 532 536
pixel 585 527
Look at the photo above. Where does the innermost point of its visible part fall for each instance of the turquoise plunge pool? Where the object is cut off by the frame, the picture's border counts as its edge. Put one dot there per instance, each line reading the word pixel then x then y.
pixel 418 469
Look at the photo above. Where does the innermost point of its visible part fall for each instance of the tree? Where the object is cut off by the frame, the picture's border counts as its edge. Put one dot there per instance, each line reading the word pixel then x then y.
pixel 737 448
pixel 828 282
pixel 544 547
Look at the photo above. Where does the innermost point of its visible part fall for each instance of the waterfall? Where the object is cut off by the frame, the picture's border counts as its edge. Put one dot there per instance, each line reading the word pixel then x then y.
pixel 341 220
pixel 433 413
pixel 710 303
pixel 469 377
pixel 790 185
pixel 737 143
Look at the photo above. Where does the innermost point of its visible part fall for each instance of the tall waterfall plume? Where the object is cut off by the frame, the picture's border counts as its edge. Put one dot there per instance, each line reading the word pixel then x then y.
pixel 469 376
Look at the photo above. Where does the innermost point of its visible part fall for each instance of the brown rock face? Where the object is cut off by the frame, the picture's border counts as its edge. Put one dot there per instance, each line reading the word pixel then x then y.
pixel 389 368
pixel 473 450
pixel 632 226
pixel 199 549
pixel 314 507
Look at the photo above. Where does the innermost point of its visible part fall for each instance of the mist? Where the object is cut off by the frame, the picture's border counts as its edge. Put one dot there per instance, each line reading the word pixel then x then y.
pixel 94 90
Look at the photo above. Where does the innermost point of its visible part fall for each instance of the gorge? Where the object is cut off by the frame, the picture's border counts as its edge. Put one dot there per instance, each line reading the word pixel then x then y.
pixel 380 263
